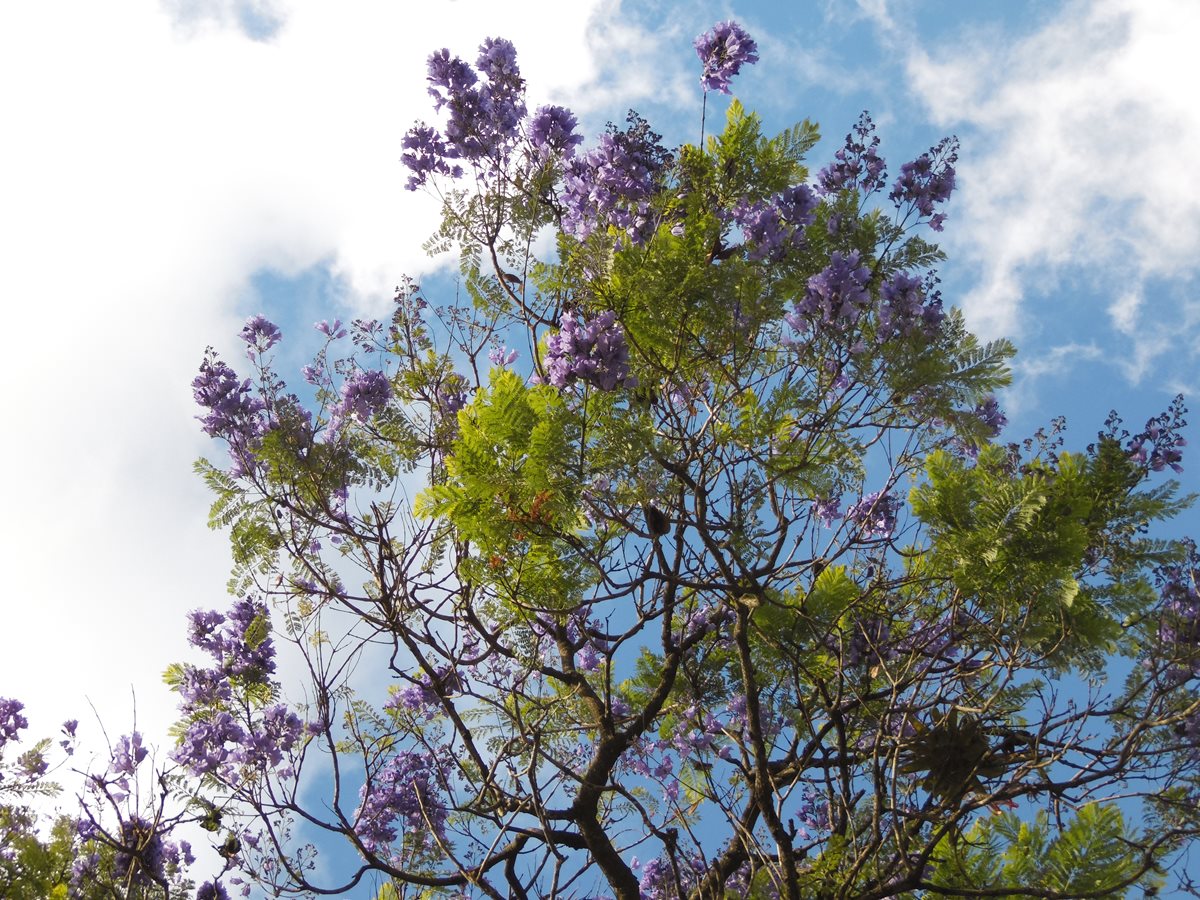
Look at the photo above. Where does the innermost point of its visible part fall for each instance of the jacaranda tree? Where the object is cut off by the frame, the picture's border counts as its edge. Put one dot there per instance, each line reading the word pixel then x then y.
pixel 677 558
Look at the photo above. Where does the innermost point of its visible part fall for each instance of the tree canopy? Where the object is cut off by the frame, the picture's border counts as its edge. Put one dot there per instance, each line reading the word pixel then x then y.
pixel 680 557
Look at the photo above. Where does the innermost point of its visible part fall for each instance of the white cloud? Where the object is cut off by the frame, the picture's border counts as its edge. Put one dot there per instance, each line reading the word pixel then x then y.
pixel 155 157
pixel 1079 153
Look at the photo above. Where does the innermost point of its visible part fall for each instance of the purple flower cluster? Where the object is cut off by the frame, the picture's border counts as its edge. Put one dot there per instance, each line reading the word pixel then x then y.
pixel 552 132
pixel 11 720
pixel 594 352
pixel 232 412
pixel 770 226
pixel 656 881
pixel 1179 626
pixel 451 395
pixel 420 697
pixel 875 514
pixel 991 415
pixel 813 813
pixel 927 181
pixel 212 890
pixel 1158 447
pixel 260 335
pixel 836 295
pixel 857 165
pixel 128 755
pixel 502 356
pixel 240 642
pixel 408 787
pixel 703 620
pixel 214 742
pixel 827 510
pixel 612 184
pixel 140 858
pixel 723 50
pixel 363 395
pixel 868 644
pixel 484 116
pixel 904 308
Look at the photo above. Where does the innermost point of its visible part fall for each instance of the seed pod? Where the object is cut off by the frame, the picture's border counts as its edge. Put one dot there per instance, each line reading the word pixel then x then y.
pixel 656 520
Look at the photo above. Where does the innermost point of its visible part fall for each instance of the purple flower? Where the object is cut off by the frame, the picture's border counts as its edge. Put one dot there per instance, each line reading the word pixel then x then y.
pixel 657 881
pixel 769 225
pixel 928 180
pixel 128 755
pixel 723 50
pixel 613 183
pixel 407 787
pixel 875 514
pixel 484 117
pixel 203 749
pixel 451 395
pixel 827 510
pixel 274 735
pixel 363 395
pixel 260 334
pixel 211 890
pixel 869 644
pixel 425 153
pixel 857 165
pixel 1158 447
pixel 139 858
pixel 904 308
pixel 991 415
pixel 835 295
pixel 202 688
pixel 502 356
pixel 333 332
pixel 231 413
pixel 11 720
pixel 594 352
pixel 552 132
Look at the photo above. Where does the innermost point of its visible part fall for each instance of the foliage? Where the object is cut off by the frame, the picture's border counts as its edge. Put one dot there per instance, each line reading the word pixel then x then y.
pixel 718 585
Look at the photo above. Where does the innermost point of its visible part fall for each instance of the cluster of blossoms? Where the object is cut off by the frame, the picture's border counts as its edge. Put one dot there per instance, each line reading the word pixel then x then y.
pixel 723 50
pixel 928 180
pixel 771 226
pixel 705 619
pixel 612 184
pixel 593 352
pixel 11 720
pixel 875 514
pixel 484 117
pixel 836 295
pixel 233 413
pixel 363 395
pixel 657 878
pixel 552 133
pixel 991 415
pixel 407 788
pixel 905 308
pixel 451 395
pixel 1179 628
pixel 812 815
pixel 420 697
pixel 857 165
pixel 143 855
pixel 1158 447
pixel 869 644
pixel 214 742
pixel 827 510
pixel 260 335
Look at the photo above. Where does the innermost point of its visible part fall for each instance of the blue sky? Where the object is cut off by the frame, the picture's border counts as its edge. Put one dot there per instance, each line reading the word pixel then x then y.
pixel 172 167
